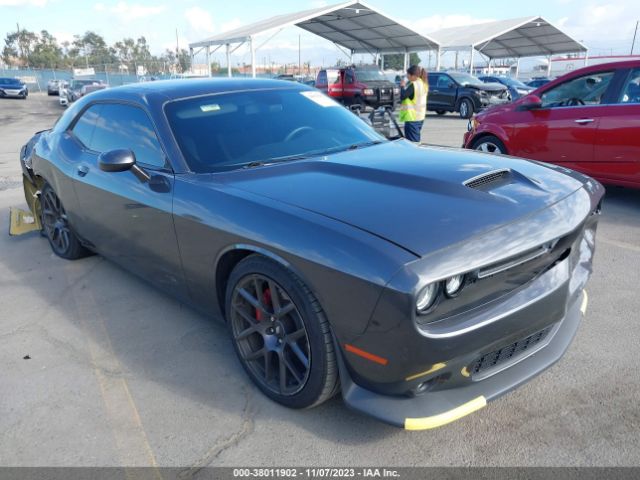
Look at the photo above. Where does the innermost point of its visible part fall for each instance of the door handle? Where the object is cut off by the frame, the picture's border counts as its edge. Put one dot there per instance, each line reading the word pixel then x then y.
pixel 82 170
pixel 584 121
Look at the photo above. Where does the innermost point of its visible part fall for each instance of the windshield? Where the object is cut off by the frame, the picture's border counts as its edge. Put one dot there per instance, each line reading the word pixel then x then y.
pixel 231 130
pixel 512 82
pixel 465 79
pixel 10 81
pixel 371 75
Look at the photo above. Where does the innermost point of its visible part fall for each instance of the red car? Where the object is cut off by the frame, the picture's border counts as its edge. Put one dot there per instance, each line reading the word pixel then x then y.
pixel 365 86
pixel 587 120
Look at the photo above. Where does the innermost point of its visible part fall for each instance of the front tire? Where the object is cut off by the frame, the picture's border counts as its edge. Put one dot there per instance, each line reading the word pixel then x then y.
pixel 466 108
pixel 56 228
pixel 489 144
pixel 280 334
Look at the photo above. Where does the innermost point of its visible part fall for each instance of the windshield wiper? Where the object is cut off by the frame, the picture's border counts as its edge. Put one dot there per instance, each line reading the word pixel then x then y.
pixel 356 146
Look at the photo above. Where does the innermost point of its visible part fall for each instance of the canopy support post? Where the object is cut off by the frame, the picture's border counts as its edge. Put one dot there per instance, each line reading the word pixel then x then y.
pixel 471 61
pixel 208 51
pixel 228 60
pixel 438 55
pixel 382 61
pixel 586 58
pixel 191 56
pixel 406 61
pixel 351 57
pixel 517 67
pixel 549 66
pixel 253 58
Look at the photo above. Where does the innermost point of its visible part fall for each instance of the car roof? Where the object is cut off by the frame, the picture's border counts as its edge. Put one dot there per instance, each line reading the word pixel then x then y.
pixel 164 90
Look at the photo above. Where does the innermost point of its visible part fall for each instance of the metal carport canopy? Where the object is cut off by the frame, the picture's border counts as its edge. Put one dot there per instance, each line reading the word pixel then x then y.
pixel 352 25
pixel 514 38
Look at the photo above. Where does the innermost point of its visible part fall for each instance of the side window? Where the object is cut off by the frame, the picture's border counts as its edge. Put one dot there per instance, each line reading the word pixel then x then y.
pixel 585 90
pixel 333 77
pixel 322 78
pixel 631 89
pixel 125 126
pixel 444 81
pixel 348 77
pixel 85 125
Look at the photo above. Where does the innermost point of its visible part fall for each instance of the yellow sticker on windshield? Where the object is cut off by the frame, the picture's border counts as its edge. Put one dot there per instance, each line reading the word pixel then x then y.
pixel 320 98
pixel 214 107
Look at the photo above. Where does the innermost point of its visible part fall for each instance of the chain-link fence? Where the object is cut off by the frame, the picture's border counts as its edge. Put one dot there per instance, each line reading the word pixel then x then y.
pixel 120 74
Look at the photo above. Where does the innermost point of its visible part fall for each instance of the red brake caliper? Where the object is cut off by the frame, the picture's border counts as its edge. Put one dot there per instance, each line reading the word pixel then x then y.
pixel 266 300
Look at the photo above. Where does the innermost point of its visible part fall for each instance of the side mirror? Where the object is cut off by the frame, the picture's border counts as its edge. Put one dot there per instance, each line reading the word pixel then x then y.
pixel 530 102
pixel 121 160
pixel 117 160
pixel 451 85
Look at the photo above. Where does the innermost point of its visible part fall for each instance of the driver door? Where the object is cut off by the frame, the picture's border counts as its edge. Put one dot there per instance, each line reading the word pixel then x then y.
pixel 564 130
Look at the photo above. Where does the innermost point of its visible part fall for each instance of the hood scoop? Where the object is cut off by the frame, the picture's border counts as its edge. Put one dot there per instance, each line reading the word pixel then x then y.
pixel 489 179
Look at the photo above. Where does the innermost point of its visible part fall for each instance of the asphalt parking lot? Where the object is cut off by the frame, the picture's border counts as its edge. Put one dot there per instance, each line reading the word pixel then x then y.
pixel 118 374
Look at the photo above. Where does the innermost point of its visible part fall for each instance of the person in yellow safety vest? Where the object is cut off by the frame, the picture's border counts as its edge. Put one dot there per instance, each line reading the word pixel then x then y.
pixel 413 106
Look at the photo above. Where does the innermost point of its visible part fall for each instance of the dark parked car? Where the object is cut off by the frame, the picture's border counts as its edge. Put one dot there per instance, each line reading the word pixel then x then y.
pixel 363 86
pixel 537 82
pixel 462 93
pixel 12 87
pixel 422 283
pixel 588 120
pixel 81 87
pixel 516 88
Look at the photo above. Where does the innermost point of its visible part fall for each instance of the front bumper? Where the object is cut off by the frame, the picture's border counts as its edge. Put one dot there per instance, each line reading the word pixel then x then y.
pixel 399 369
pixel 13 93
pixel 439 408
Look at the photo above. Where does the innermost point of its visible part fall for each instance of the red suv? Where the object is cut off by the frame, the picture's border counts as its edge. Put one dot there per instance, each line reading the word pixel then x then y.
pixel 587 120
pixel 362 86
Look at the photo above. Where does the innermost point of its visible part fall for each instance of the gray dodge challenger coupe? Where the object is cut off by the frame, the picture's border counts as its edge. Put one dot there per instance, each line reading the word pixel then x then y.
pixel 420 282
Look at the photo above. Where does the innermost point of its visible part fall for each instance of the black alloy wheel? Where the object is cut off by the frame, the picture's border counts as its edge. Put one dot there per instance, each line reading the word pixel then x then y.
pixel 270 334
pixel 56 226
pixel 280 334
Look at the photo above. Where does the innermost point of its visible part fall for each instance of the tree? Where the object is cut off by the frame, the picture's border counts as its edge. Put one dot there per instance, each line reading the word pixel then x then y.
pixel 18 47
pixel 46 53
pixel 396 61
pixel 92 48
pixel 184 60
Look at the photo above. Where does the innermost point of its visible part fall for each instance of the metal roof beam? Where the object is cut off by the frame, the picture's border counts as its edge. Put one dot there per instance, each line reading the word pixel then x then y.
pixel 352 37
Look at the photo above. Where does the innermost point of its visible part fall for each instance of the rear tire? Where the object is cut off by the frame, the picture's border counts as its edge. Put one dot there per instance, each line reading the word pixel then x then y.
pixel 465 108
pixel 489 144
pixel 56 228
pixel 441 112
pixel 280 334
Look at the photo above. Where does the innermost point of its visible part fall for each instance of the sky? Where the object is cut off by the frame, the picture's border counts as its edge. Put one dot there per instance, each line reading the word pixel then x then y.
pixel 605 26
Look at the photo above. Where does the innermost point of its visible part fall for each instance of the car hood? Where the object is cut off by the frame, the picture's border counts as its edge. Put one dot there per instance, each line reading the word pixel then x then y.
pixel 413 197
pixel 488 87
pixel 12 86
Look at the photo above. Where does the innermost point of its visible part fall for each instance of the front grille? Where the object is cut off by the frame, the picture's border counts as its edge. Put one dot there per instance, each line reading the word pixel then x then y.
pixel 487 178
pixel 493 359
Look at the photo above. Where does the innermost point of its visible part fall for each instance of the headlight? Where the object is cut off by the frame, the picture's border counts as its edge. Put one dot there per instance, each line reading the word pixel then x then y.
pixel 368 91
pixel 522 92
pixel 396 91
pixel 427 297
pixel 453 285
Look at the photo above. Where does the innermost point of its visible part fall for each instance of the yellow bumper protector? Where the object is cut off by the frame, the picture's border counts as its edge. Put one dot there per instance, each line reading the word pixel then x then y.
pixel 441 419
pixel 585 302
pixel 22 221
pixel 435 368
